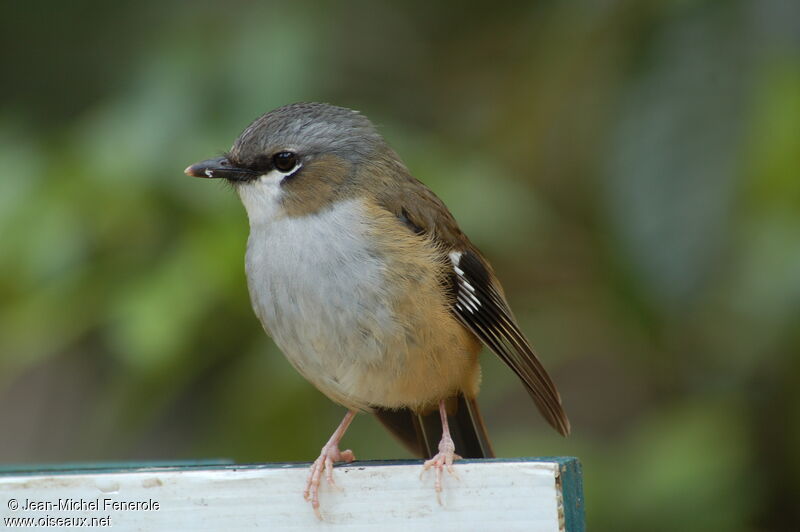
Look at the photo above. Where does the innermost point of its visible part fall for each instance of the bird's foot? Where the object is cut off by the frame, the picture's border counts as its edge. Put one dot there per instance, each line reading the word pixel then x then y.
pixel 324 466
pixel 443 460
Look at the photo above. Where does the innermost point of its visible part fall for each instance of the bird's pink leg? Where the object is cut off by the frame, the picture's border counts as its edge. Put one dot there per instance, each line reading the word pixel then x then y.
pixel 324 464
pixel 446 455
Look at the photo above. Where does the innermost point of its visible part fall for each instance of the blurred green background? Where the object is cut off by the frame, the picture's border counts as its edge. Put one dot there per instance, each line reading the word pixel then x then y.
pixel 632 170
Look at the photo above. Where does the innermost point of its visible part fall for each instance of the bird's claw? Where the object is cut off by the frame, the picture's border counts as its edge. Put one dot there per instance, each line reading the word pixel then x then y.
pixel 323 465
pixel 443 460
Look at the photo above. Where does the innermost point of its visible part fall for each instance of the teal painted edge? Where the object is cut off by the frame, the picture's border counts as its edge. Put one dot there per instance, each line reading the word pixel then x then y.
pixel 68 468
pixel 565 464
pixel 571 475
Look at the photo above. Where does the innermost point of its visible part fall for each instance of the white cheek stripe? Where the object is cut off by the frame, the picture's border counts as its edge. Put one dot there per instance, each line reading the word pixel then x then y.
pixel 277 175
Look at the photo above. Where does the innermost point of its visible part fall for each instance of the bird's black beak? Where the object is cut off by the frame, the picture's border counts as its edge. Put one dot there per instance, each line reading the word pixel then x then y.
pixel 220 167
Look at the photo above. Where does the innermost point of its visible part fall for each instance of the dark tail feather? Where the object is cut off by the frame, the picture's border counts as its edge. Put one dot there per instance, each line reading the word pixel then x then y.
pixel 420 433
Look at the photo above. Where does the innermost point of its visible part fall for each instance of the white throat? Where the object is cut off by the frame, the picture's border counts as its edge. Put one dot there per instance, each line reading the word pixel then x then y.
pixel 262 196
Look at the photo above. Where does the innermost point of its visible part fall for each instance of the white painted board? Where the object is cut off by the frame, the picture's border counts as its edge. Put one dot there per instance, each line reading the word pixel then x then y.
pixel 487 495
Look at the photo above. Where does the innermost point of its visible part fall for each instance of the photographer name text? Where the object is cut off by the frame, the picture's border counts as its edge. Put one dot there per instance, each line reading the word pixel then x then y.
pixel 89 505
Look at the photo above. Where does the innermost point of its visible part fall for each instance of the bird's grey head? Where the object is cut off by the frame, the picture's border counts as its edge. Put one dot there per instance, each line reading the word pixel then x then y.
pixel 308 129
pixel 296 158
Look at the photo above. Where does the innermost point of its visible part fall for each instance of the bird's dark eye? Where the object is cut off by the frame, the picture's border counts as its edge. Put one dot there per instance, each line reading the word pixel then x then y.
pixel 284 161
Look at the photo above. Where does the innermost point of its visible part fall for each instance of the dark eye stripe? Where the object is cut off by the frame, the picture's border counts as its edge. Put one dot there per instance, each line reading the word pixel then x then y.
pixel 284 162
pixel 262 164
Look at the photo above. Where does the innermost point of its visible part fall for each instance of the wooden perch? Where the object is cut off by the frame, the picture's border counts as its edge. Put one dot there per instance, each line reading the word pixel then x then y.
pixel 531 494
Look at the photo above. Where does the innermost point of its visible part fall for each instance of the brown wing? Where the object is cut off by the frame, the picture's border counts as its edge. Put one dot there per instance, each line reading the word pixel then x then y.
pixel 478 300
pixel 481 306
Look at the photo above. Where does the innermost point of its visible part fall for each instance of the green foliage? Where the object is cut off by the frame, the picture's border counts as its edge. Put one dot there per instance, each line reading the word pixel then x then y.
pixel 632 170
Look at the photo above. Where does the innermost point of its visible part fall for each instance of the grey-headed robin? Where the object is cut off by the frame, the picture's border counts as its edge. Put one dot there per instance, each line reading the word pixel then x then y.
pixel 364 280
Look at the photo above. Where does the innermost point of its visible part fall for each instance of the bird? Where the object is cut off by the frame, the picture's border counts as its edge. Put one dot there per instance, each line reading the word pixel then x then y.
pixel 366 283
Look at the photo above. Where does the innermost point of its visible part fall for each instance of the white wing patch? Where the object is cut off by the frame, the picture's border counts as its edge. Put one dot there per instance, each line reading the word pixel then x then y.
pixel 466 292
